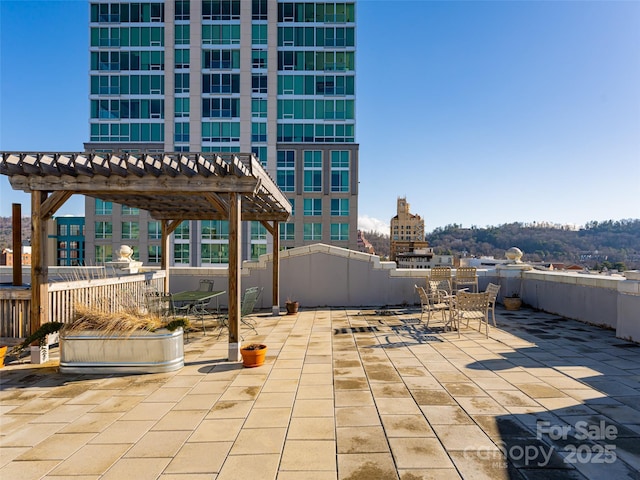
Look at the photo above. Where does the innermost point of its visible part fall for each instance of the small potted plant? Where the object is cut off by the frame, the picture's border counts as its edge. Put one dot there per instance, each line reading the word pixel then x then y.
pixel 253 355
pixel 292 306
pixel 512 302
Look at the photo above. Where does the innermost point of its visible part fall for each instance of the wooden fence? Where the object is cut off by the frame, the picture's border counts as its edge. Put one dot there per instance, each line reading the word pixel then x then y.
pixel 107 293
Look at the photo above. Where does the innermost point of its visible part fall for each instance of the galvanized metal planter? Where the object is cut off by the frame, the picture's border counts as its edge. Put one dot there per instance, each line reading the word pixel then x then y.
pixel 142 352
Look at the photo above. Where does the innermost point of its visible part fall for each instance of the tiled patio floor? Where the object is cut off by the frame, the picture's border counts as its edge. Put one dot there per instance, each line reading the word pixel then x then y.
pixel 345 394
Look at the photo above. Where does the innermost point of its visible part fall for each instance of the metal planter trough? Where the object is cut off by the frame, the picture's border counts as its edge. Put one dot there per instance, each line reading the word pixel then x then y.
pixel 93 352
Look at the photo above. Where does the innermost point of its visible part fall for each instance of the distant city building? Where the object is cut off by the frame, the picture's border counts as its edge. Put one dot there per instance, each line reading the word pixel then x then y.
pixel 423 258
pixel 68 237
pixel 6 256
pixel 407 231
pixel 276 78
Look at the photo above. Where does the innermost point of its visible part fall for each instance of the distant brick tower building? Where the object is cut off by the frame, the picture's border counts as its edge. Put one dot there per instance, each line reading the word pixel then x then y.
pixel 407 231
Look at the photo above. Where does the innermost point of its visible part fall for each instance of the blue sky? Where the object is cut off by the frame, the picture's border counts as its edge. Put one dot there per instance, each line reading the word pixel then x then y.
pixel 480 113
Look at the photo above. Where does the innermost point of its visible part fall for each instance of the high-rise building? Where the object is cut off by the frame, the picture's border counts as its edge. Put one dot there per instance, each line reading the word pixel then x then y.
pixel 407 231
pixel 272 77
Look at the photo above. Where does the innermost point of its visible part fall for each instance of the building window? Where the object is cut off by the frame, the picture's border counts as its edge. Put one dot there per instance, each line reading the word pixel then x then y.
pixel 154 253
pixel 181 133
pixel 258 34
pixel 220 59
pixel 181 83
pixel 215 230
pixel 104 230
pixel 154 230
pixel 182 232
pixel 182 59
pixel 221 9
pixel 340 171
pixel 261 153
pixel 258 231
pixel 312 207
pixel 130 231
pixel 62 230
pixel 258 58
pixel 339 231
pixel 214 253
pixel 312 231
pixel 103 253
pixel 130 210
pixel 258 83
pixel 182 10
pixel 258 249
pixel 287 231
pixel 285 170
pixel 181 253
pixel 182 34
pixel 220 107
pixel 312 171
pixel 182 107
pixel 258 132
pixel 340 207
pixel 103 208
pixel 76 230
pixel 259 107
pixel 259 10
pixel 220 34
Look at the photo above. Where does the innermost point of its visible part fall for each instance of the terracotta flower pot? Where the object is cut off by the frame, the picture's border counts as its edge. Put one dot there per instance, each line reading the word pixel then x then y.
pixel 512 303
pixel 292 308
pixel 253 355
pixel 3 353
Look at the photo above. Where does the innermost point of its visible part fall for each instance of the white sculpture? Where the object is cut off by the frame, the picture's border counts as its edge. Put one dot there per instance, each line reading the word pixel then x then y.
pixel 125 254
pixel 514 255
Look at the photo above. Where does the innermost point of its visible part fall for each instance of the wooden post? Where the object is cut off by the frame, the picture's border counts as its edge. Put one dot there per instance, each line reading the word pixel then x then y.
pixel 275 309
pixel 39 278
pixel 235 271
pixel 164 257
pixel 16 211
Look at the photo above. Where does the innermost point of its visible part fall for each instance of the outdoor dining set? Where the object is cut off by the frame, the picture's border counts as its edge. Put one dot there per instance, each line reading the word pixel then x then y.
pixel 450 296
pixel 196 304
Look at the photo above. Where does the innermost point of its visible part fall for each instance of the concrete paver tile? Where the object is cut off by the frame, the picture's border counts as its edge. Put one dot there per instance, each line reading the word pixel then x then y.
pixel 263 466
pixel 363 466
pixel 356 416
pixel 268 417
pixel 7 454
pixel 240 393
pixel 138 468
pixel 217 430
pixel 123 431
pixel 482 467
pixel 353 398
pixel 464 437
pixel 117 403
pixel 168 395
pixel 158 444
pixel 312 428
pixel 57 447
pixel 238 409
pixel 310 392
pixel 445 415
pixel 205 457
pixel 313 408
pixel 258 441
pixel 429 474
pixel 419 453
pixel 361 440
pixel 270 400
pixel 481 405
pixel 513 398
pixel 390 390
pixel 102 458
pixel 197 402
pixel 309 455
pixel 91 422
pixel 210 387
pixel 406 426
pixel 400 406
pixel 33 470
pixel 180 420
pixel 307 475
pixel 30 434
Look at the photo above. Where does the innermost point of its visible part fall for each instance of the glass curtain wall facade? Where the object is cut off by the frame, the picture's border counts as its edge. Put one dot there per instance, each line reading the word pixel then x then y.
pixel 276 78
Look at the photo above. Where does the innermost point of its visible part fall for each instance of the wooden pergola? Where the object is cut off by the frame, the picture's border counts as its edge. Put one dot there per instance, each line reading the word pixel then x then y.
pixel 173 187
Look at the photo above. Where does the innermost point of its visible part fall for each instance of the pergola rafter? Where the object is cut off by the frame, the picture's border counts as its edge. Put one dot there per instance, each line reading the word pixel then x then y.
pixel 172 187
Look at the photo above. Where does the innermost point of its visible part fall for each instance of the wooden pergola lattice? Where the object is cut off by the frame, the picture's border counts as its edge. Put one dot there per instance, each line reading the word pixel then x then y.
pixel 173 187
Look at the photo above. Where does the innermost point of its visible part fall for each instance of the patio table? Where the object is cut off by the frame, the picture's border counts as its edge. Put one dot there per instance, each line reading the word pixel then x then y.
pixel 192 302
